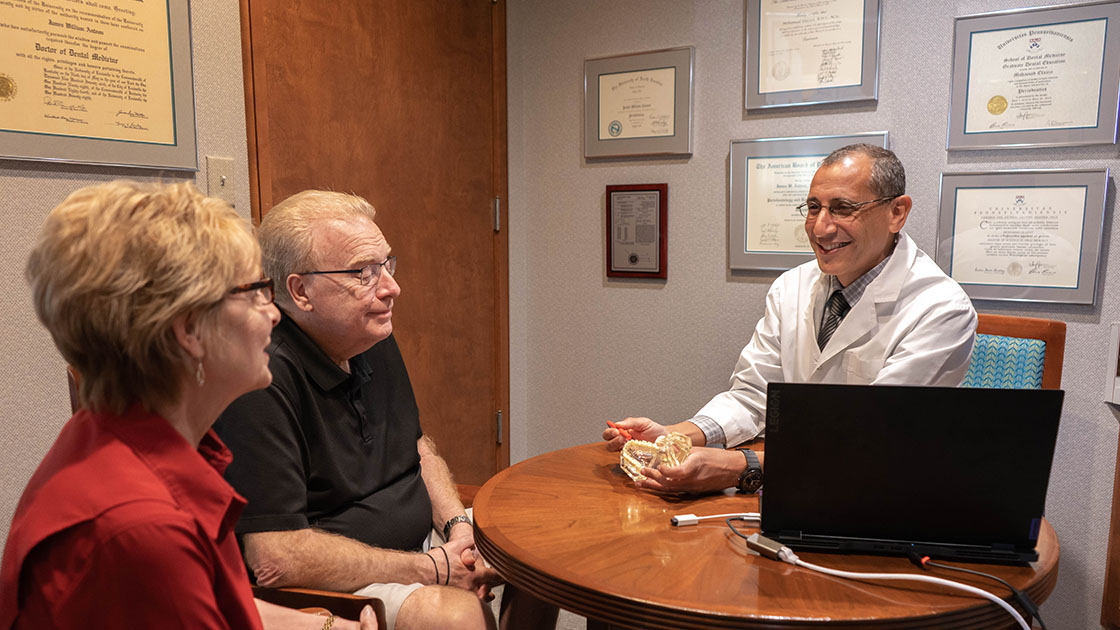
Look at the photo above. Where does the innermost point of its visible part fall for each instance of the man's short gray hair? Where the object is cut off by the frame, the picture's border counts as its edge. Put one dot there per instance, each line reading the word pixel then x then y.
pixel 888 178
pixel 285 232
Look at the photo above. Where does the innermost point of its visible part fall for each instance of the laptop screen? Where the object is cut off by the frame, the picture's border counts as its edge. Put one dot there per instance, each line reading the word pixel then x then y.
pixel 927 465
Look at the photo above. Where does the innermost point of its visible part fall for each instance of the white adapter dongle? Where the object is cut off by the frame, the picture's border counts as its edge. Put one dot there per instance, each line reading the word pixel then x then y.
pixel 681 520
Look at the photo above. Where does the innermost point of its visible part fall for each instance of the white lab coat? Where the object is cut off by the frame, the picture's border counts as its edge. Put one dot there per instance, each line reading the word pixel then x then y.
pixel 913 325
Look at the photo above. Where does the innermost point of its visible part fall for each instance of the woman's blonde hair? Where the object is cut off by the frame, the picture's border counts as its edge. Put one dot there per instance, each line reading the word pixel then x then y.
pixel 115 265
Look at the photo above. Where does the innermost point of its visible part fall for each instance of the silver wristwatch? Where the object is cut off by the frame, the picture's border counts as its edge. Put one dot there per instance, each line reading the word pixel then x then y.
pixel 452 522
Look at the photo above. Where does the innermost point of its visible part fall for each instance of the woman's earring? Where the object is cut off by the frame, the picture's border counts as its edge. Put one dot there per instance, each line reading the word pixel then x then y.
pixel 200 375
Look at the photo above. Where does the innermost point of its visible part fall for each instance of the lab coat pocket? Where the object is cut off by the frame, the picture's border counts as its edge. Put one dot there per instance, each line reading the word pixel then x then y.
pixel 859 371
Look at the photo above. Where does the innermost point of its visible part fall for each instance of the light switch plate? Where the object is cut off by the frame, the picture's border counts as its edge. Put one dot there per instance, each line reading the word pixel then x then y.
pixel 219 178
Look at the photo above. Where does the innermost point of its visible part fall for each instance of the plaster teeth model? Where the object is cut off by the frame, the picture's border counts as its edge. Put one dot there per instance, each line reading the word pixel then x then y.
pixel 669 449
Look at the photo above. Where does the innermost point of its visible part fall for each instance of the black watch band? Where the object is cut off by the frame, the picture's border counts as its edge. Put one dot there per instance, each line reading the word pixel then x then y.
pixel 750 480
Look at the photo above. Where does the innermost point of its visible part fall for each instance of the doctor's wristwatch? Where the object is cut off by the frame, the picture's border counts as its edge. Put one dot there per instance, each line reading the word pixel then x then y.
pixel 750 480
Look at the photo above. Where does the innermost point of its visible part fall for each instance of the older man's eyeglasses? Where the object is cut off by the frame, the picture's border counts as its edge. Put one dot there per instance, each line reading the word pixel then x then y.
pixel 839 209
pixel 262 291
pixel 368 275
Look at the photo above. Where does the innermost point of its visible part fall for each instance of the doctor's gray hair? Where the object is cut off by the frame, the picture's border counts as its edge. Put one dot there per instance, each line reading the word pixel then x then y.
pixel 888 177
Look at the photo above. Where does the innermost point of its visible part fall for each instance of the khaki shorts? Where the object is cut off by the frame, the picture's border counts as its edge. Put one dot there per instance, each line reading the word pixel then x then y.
pixel 393 595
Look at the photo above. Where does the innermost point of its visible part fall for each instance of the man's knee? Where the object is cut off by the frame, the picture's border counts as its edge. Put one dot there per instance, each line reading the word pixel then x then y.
pixel 433 607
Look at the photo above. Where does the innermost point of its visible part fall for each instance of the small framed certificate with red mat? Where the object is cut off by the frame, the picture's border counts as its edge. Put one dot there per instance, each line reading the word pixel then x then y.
pixel 637 231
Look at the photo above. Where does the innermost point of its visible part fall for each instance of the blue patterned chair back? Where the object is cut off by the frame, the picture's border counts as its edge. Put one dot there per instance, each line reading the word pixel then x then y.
pixel 1006 363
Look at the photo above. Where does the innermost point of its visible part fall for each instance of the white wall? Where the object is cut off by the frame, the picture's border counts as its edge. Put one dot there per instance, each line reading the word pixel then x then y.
pixel 585 349
pixel 34 402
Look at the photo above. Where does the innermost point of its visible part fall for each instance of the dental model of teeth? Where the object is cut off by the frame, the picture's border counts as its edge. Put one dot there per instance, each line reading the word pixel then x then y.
pixel 671 449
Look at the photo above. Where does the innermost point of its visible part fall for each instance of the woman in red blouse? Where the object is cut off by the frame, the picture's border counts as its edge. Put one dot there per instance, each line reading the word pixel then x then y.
pixel 153 295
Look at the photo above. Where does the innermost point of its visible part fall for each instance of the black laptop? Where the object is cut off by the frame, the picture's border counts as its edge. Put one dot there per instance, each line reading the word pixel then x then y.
pixel 954 473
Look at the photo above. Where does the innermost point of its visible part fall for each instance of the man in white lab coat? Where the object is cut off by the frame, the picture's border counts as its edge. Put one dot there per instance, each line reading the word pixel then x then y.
pixel 871 309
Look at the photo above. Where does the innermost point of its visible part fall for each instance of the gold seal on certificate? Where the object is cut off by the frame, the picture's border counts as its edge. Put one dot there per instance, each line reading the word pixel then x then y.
pixel 7 87
pixel 1035 77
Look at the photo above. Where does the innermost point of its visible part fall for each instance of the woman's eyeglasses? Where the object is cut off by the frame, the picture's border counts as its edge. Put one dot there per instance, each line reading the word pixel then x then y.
pixel 263 292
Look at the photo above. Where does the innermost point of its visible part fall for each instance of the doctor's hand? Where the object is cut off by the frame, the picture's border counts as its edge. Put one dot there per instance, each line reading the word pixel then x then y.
pixel 638 428
pixel 704 470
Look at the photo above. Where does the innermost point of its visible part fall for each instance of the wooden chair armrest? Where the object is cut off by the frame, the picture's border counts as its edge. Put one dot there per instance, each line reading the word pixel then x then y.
pixel 342 605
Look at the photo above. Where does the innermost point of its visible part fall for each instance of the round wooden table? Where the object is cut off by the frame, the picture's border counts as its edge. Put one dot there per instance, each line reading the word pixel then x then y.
pixel 570 528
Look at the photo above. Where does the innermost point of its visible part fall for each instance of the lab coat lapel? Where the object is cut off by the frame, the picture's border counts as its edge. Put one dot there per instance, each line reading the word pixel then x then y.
pixel 884 289
pixel 814 290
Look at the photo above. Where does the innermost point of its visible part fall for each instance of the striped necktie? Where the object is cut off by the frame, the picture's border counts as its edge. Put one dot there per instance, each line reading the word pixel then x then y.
pixel 834 311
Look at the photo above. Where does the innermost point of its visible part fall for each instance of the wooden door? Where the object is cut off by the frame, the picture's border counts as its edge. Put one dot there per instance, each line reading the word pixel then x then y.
pixel 403 103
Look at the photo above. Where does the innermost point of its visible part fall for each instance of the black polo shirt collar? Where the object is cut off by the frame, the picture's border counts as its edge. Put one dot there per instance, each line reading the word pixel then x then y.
pixel 318 366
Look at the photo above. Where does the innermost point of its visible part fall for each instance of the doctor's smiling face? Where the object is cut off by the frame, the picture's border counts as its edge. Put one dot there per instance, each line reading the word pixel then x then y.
pixel 850 222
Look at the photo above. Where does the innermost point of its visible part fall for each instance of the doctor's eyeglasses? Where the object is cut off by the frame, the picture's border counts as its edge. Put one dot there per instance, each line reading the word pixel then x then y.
pixel 839 209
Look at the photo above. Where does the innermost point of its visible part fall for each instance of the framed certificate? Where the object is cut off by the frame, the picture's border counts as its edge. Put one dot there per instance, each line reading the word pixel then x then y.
pixel 637 231
pixel 805 53
pixel 98 84
pixel 1028 236
pixel 639 104
pixel 1035 77
pixel 770 177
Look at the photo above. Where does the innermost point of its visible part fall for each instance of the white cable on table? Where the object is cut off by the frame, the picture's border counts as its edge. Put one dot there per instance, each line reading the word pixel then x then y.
pixel 786 555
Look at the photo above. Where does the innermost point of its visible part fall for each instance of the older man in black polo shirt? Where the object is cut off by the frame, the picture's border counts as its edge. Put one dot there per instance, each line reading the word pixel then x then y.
pixel 343 486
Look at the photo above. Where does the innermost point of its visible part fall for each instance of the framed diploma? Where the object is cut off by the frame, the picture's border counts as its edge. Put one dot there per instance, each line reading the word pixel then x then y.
pixel 805 52
pixel 770 177
pixel 637 231
pixel 97 82
pixel 1035 77
pixel 1028 236
pixel 639 104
